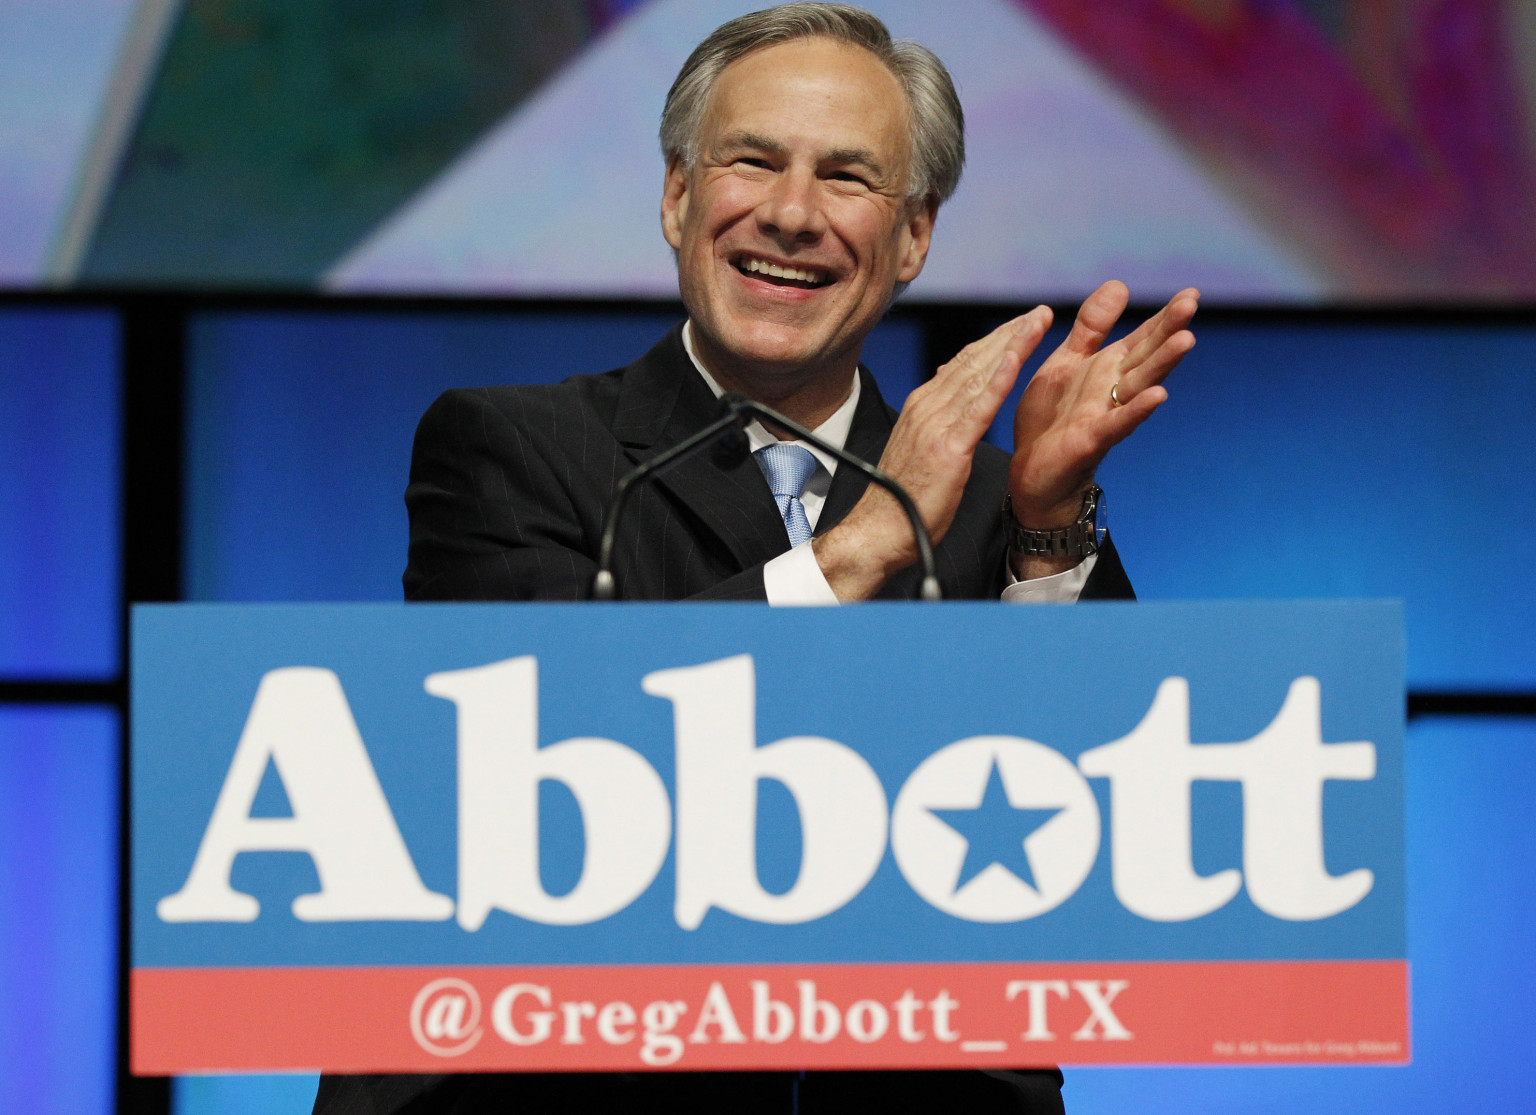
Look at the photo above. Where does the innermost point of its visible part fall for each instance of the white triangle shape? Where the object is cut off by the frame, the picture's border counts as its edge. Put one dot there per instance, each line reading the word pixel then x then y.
pixel 1067 183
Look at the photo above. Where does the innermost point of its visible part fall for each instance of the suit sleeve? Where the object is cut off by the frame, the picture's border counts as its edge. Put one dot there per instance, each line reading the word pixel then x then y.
pixel 1108 581
pixel 489 516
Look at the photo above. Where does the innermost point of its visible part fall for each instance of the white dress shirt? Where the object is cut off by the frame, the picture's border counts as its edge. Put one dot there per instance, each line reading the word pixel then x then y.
pixel 795 577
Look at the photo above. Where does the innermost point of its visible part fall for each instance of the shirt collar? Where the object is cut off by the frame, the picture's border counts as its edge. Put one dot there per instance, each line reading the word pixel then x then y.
pixel 834 430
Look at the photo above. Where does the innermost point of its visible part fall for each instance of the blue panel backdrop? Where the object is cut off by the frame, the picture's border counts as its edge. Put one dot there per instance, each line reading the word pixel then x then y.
pixel 58 492
pixel 58 909
pixel 1336 460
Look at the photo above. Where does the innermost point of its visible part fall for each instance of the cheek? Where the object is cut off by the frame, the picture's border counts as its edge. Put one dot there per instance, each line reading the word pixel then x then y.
pixel 722 204
pixel 870 231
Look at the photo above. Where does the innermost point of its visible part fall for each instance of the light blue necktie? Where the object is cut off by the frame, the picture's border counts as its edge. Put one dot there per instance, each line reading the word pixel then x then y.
pixel 787 468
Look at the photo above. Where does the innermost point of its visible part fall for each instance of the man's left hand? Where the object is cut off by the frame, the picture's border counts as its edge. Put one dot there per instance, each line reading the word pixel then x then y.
pixel 1067 418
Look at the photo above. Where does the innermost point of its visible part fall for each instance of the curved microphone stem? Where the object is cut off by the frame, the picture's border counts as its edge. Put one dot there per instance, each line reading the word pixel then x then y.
pixel 741 405
pixel 603 587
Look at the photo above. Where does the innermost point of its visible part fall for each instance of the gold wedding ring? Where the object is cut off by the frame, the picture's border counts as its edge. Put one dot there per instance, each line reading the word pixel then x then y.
pixel 1114 395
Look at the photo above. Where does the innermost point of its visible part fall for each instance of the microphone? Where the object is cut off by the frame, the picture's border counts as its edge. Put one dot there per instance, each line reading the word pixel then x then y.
pixel 741 405
pixel 728 433
pixel 729 423
pixel 732 446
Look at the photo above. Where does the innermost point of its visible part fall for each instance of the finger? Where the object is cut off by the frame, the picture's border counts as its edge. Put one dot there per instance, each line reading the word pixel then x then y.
pixel 958 375
pixel 1118 424
pixel 1154 333
pixel 977 406
pixel 1099 312
pixel 975 372
pixel 959 404
pixel 1156 367
pixel 980 357
pixel 995 387
pixel 1175 315
pixel 1029 331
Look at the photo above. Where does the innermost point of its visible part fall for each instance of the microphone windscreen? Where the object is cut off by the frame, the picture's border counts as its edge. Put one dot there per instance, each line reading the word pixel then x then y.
pixel 732 447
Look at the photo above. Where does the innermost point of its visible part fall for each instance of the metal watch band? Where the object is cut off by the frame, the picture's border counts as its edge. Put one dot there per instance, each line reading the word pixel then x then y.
pixel 1078 540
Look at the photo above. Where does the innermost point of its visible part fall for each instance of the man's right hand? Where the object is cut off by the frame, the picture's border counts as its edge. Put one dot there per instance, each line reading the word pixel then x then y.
pixel 929 453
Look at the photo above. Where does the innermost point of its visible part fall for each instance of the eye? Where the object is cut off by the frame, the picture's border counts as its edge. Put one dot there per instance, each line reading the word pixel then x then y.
pixel 848 176
pixel 753 161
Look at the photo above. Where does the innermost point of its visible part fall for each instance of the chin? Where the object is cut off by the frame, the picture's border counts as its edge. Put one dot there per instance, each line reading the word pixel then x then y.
pixel 779 342
pixel 786 355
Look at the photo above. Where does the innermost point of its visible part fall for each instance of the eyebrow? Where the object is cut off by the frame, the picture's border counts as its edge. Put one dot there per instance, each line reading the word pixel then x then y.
pixel 845 156
pixel 753 140
pixel 842 156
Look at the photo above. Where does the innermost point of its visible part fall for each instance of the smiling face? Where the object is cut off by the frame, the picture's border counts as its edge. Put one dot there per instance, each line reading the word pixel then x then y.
pixel 793 228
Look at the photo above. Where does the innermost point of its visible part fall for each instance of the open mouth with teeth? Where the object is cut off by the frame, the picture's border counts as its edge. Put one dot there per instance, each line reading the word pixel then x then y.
pixel 805 278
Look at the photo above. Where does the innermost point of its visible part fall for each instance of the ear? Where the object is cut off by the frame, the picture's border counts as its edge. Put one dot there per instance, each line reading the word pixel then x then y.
pixel 674 202
pixel 916 235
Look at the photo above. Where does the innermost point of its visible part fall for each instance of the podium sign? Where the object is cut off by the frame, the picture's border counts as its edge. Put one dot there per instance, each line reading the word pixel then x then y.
pixel 538 837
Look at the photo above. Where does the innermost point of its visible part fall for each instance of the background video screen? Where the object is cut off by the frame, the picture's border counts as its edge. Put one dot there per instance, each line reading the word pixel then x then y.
pixel 1268 151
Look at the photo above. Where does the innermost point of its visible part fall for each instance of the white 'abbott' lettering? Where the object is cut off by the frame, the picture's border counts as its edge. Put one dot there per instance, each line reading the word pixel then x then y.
pixel 1282 771
pixel 842 806
pixel 301 723
pixel 624 808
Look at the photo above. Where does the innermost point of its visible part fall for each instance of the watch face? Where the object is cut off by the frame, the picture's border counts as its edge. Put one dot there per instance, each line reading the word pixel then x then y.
pixel 1100 519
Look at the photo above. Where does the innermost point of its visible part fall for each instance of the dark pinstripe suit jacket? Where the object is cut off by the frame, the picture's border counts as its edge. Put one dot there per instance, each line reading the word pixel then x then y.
pixel 509 486
pixel 507 494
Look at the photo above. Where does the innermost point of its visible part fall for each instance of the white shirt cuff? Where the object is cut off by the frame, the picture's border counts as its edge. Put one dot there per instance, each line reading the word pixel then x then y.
pixel 1059 588
pixel 794 578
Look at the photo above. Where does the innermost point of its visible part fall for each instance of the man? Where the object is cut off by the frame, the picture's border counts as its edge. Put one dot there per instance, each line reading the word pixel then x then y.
pixel 807 156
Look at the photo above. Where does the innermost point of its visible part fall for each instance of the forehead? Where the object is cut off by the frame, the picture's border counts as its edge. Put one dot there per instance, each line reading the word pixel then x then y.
pixel 819 92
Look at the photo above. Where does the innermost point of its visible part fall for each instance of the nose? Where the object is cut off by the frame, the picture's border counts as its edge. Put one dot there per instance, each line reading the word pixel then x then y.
pixel 791 213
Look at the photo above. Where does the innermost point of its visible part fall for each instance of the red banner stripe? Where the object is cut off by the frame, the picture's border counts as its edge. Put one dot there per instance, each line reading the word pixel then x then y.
pixel 767 1016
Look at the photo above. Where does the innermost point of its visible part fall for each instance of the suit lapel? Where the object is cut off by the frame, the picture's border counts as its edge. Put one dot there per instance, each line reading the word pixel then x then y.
pixel 662 401
pixel 872 422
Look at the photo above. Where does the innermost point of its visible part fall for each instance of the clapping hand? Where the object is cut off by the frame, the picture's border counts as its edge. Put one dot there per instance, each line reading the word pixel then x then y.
pixel 1088 397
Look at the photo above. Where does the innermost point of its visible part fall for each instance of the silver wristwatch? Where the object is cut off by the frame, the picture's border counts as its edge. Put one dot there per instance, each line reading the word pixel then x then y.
pixel 1080 539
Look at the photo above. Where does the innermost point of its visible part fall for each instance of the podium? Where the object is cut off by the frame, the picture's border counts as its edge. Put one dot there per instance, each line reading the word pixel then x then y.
pixel 463 837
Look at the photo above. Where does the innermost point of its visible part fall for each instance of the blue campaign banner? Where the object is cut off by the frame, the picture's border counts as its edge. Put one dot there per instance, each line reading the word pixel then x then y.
pixel 447 787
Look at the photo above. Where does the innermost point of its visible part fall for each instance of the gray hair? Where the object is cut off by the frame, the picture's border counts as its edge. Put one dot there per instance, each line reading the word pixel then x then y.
pixel 938 124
